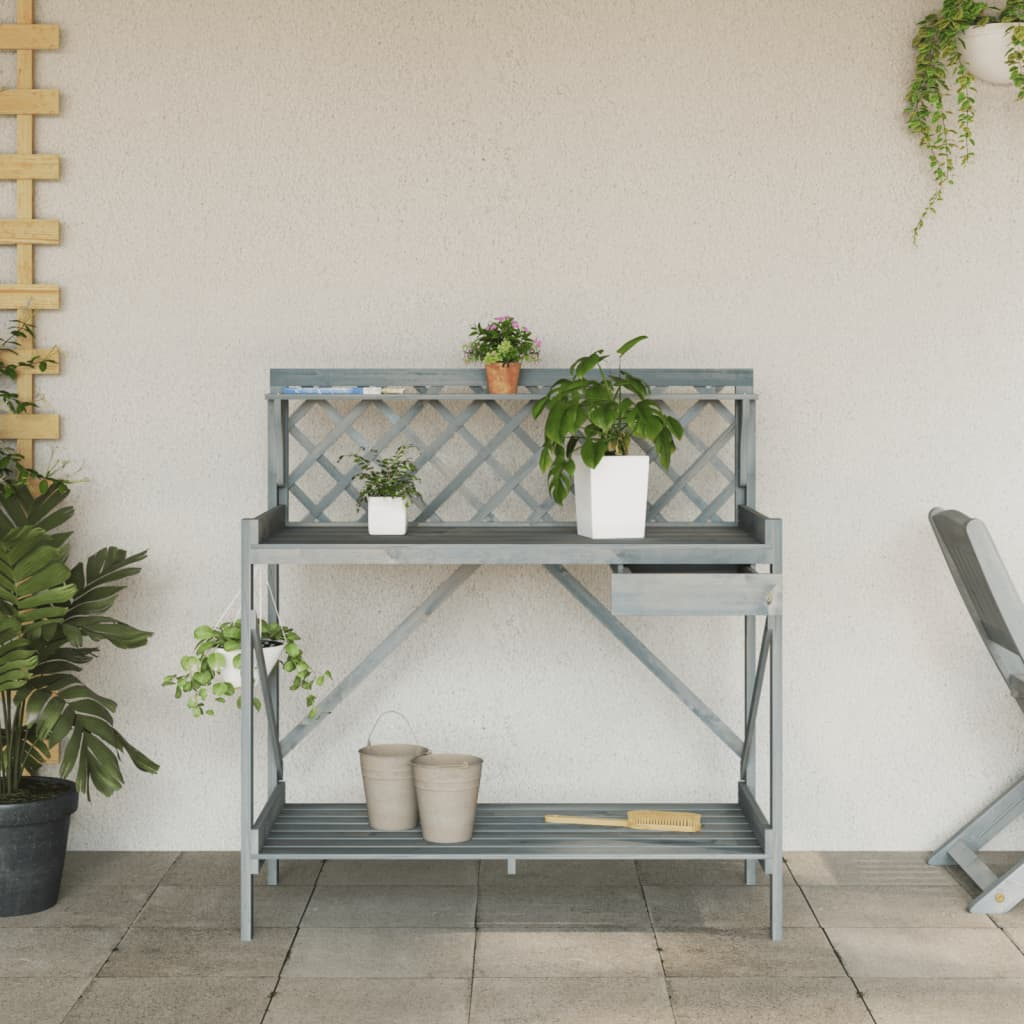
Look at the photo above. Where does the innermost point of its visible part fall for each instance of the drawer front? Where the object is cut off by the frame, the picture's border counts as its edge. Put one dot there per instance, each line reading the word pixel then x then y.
pixel 705 593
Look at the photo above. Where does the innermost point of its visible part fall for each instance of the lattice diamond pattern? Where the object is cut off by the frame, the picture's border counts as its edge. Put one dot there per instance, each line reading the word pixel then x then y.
pixel 478 460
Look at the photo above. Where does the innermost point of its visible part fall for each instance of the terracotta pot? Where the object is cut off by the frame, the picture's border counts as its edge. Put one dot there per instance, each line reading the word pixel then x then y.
pixel 502 378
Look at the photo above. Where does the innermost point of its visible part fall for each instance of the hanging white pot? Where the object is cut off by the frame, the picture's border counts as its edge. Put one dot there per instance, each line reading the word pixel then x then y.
pixel 272 651
pixel 611 500
pixel 386 516
pixel 985 49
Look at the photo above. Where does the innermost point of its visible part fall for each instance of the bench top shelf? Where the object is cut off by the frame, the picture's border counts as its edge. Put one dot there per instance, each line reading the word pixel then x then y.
pixel 272 541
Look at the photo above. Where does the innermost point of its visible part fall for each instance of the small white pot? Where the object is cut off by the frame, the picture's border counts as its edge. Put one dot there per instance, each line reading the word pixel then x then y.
pixel 611 501
pixel 985 49
pixel 232 675
pixel 386 516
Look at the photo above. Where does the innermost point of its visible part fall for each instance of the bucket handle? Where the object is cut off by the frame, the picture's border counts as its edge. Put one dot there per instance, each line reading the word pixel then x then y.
pixel 369 739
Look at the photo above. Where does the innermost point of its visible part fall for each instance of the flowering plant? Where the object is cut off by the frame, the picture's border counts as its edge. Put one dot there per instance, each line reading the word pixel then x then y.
pixel 501 341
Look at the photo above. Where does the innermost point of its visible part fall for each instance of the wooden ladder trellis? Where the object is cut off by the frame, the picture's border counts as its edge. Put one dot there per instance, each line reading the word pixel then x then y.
pixel 25 167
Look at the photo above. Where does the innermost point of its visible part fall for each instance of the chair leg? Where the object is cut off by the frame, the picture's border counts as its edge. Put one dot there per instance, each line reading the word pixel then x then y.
pixel 1003 895
pixel 976 833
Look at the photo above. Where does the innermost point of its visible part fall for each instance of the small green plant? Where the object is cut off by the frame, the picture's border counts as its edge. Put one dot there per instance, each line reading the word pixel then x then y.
pixel 503 340
pixel 388 476
pixel 14 473
pixel 600 416
pixel 201 679
pixel 944 124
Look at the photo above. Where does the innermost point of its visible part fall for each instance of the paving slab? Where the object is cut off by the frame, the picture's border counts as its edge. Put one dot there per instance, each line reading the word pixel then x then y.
pixel 94 867
pixel 397 906
pixel 570 1001
pixel 39 1000
pixel 566 954
pixel 767 1001
pixel 203 867
pixel 216 906
pixel 199 953
pixel 803 953
pixel 688 907
pixel 168 1001
pixel 97 906
pixel 399 1001
pixel 867 868
pixel 399 872
pixel 381 953
pixel 927 953
pixel 529 906
pixel 886 906
pixel 58 952
pixel 700 872
pixel 945 1000
pixel 559 872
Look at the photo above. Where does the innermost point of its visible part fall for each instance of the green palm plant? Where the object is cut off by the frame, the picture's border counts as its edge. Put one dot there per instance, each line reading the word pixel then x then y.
pixel 52 615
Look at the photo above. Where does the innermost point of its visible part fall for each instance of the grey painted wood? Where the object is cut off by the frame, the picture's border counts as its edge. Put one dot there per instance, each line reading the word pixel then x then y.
pixel 646 657
pixel 503 831
pixel 462 376
pixel 542 544
pixel 376 657
pixel 706 593
pixel 708 550
pixel 997 612
pixel 753 705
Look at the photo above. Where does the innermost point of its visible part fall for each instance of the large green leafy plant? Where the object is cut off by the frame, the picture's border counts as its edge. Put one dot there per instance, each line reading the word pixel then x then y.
pixel 940 102
pixel 599 415
pixel 52 617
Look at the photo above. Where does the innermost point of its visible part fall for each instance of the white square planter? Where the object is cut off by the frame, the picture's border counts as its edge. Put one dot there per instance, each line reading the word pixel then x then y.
pixel 386 516
pixel 611 501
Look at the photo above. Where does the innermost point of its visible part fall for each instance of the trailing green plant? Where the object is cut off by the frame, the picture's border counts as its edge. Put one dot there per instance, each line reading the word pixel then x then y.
pixel 943 121
pixel 52 616
pixel 201 681
pixel 503 340
pixel 387 476
pixel 600 415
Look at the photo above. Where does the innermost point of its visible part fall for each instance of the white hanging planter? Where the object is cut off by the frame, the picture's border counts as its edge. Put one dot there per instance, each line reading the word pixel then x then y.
pixel 611 500
pixel 985 49
pixel 272 651
pixel 386 516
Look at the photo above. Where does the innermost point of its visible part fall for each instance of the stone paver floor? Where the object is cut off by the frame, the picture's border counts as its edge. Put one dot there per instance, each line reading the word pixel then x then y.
pixel 870 937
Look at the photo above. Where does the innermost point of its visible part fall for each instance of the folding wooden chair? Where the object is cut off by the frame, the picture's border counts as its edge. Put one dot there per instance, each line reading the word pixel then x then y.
pixel 997 611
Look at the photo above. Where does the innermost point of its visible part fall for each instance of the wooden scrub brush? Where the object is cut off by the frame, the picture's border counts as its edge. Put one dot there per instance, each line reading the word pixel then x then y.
pixel 645 821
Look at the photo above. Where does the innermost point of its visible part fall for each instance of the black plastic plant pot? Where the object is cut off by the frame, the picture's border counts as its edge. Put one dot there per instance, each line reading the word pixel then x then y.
pixel 33 840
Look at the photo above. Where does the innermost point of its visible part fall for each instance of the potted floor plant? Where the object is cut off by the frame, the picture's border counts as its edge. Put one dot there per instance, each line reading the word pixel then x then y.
pixel 53 617
pixel 388 485
pixel 212 673
pixel 592 417
pixel 960 42
pixel 502 346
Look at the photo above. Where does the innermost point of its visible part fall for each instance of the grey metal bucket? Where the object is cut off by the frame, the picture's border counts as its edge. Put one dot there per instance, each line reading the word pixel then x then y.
pixel 387 781
pixel 447 786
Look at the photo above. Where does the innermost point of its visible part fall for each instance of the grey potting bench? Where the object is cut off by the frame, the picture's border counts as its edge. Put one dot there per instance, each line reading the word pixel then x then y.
pixel 707 552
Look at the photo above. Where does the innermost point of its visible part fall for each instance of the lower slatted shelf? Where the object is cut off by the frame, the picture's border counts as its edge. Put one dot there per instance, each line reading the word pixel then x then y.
pixel 342 831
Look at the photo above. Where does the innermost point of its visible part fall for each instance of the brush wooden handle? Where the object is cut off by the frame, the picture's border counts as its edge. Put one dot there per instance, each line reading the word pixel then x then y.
pixel 570 819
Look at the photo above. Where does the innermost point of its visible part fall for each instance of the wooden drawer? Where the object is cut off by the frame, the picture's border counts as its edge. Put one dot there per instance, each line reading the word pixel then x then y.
pixel 696 593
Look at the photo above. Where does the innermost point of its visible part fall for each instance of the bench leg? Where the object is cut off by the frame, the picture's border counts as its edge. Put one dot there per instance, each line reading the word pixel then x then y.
pixel 977 832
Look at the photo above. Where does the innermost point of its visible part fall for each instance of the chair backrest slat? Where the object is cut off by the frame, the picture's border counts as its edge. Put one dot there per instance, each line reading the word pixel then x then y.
pixel 987 590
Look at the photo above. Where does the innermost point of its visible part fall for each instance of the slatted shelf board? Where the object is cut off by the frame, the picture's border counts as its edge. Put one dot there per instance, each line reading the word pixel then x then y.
pixel 25 298
pixel 503 831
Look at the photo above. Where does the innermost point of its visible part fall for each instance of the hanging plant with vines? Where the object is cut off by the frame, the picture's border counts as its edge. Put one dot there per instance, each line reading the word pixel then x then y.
pixel 940 102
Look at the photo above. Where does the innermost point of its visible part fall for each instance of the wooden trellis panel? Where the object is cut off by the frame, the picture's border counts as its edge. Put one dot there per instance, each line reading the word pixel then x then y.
pixel 25 167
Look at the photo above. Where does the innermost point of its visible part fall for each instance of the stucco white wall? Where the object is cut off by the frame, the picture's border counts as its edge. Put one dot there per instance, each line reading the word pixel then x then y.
pixel 249 184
